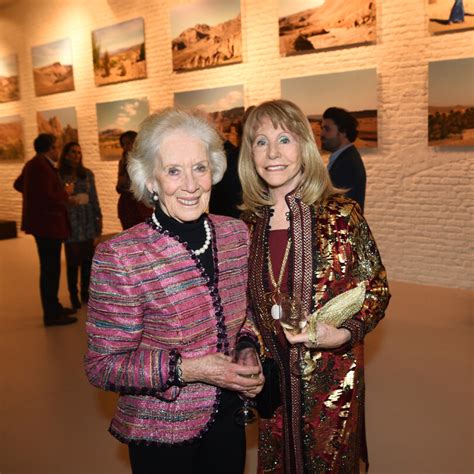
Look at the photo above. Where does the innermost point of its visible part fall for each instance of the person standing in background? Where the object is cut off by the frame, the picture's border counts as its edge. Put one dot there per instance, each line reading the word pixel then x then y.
pixel 457 12
pixel 45 216
pixel 346 168
pixel 85 218
pixel 130 211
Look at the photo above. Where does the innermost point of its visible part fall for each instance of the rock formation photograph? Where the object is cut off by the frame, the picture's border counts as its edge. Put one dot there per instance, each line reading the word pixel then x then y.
pixel 449 16
pixel 224 106
pixel 114 118
pixel 207 33
pixel 451 103
pixel 62 123
pixel 310 25
pixel 355 91
pixel 118 52
pixel 52 67
pixel 9 88
pixel 11 138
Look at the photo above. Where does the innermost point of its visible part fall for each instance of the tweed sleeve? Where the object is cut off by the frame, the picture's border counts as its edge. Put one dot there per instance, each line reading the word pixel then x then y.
pixel 115 360
pixel 368 267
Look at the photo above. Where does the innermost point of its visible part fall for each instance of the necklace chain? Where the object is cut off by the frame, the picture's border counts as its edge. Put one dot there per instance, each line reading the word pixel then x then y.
pixel 207 228
pixel 277 284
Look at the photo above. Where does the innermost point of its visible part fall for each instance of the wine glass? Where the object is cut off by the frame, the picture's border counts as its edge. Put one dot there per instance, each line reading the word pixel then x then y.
pixel 246 356
pixel 293 319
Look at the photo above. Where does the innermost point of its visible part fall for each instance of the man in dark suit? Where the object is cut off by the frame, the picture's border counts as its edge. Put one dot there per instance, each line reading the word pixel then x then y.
pixel 346 168
pixel 45 217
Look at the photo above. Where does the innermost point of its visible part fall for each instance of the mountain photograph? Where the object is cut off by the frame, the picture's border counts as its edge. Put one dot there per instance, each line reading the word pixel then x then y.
pixel 62 123
pixel 11 138
pixel 9 81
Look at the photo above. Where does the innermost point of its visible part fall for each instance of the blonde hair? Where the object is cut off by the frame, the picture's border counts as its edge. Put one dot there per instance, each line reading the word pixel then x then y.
pixel 315 183
pixel 146 149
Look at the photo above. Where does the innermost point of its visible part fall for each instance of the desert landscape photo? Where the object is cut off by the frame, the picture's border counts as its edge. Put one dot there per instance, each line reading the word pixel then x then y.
pixel 62 123
pixel 9 87
pixel 52 67
pixel 451 103
pixel 310 25
pixel 206 33
pixel 11 138
pixel 354 91
pixel 114 118
pixel 118 52
pixel 439 12
pixel 223 105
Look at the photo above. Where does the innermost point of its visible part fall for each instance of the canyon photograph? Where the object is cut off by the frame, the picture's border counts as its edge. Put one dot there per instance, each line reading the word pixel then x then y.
pixel 354 91
pixel 206 33
pixel 9 87
pixel 223 105
pixel 309 25
pixel 118 52
pixel 62 123
pixel 52 67
pixel 11 138
pixel 451 103
pixel 439 16
pixel 114 118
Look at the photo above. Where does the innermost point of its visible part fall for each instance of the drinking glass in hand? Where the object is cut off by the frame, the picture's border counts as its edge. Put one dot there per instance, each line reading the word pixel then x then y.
pixel 248 357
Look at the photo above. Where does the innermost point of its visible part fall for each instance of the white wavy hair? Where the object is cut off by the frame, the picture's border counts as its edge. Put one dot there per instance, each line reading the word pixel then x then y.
pixel 144 157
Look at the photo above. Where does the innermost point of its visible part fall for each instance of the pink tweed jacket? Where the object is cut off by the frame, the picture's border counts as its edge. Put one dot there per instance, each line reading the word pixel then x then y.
pixel 150 301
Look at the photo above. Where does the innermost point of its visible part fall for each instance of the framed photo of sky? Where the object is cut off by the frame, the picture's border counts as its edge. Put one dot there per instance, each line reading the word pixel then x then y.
pixel 451 103
pixel 206 33
pixel 307 26
pixel 224 106
pixel 355 91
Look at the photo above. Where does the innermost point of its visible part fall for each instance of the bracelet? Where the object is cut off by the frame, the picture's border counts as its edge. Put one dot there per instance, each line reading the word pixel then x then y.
pixel 313 331
pixel 178 373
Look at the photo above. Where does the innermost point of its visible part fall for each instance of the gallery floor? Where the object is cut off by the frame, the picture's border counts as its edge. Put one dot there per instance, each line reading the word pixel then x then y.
pixel 419 384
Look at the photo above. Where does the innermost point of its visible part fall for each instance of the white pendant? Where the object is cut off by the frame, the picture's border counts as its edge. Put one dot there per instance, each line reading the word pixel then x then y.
pixel 276 311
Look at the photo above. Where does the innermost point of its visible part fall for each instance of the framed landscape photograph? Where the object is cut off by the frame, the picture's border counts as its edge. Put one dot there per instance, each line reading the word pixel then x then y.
pixel 62 123
pixel 9 81
pixel 451 103
pixel 354 91
pixel 118 52
pixel 52 67
pixel 114 118
pixel 449 16
pixel 11 138
pixel 224 106
pixel 206 33
pixel 307 26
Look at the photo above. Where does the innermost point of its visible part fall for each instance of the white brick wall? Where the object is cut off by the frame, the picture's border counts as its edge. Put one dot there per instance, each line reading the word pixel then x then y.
pixel 419 200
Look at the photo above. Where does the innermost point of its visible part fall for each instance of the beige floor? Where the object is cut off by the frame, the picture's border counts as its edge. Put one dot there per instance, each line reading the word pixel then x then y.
pixel 419 384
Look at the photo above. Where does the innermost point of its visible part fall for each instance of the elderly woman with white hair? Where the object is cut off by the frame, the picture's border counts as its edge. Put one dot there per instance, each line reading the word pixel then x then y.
pixel 168 306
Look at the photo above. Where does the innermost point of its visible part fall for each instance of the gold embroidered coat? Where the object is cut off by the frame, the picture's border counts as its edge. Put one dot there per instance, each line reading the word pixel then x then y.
pixel 320 426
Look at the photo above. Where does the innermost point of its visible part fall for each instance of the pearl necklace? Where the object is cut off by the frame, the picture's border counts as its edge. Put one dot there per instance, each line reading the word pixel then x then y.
pixel 207 228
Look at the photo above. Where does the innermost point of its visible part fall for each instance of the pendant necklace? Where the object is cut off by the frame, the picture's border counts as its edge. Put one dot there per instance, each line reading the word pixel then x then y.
pixel 275 294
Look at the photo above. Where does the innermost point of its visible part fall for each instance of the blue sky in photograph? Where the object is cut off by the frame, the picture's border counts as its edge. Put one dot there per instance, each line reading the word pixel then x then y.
pixel 352 90
pixel 451 82
pixel 67 115
pixel 122 114
pixel 120 36
pixel 209 12
pixel 56 52
pixel 211 100
pixel 9 66
pixel 288 7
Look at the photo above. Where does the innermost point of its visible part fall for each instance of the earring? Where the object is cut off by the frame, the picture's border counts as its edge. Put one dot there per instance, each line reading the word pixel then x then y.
pixel 155 197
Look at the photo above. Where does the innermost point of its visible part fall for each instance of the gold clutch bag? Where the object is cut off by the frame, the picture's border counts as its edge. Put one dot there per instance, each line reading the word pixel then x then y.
pixel 341 307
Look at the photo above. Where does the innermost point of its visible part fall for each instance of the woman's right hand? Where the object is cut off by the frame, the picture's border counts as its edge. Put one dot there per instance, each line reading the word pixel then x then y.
pixel 218 370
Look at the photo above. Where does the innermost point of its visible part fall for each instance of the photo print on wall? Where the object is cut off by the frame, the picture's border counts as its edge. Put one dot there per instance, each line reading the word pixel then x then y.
pixel 62 123
pixel 451 103
pixel 449 16
pixel 118 52
pixel 11 138
pixel 9 81
pixel 307 26
pixel 52 67
pixel 355 91
pixel 114 118
pixel 224 106
pixel 206 33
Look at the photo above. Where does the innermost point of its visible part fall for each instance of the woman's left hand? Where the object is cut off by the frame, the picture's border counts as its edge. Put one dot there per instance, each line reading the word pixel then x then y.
pixel 328 337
